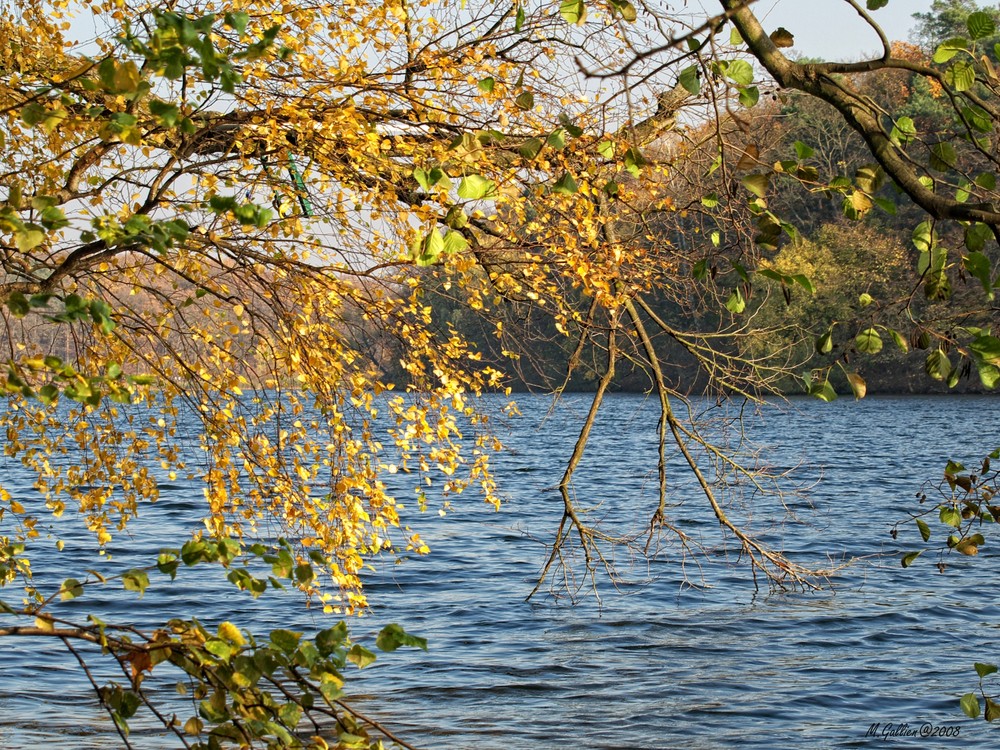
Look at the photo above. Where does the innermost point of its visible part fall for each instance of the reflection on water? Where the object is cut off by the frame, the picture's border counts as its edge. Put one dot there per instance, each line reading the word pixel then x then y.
pixel 656 665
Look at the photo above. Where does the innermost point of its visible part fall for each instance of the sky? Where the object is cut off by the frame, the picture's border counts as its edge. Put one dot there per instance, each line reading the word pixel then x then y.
pixel 831 29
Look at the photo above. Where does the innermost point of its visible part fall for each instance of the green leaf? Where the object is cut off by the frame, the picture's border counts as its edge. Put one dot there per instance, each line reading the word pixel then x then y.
pixel 937 366
pixel 979 119
pixel 978 266
pixel 903 131
pixel 961 76
pixel 286 640
pixel 486 85
pixel 869 178
pixel 606 149
pixel 749 96
pixel 571 127
pixel 690 79
pixel 868 341
pixel 924 237
pixel 360 655
pixel 943 156
pixel 573 11
pixel 950 517
pixel 986 180
pixel 566 185
pixel 984 669
pixel 736 303
pixel 823 391
pixel 237 20
pixel 824 344
pixel 393 636
pixel 557 139
pixel 909 557
pixel 989 375
pixel 802 151
pixel 970 705
pixel 475 187
pixel 136 580
pixel 167 114
pixel 925 530
pixel 634 161
pixel 329 640
pixel 980 25
pixel 739 71
pixel 454 242
pixel 976 237
pixel 33 114
pixel 949 48
pixel 756 183
pixel 876 4
pixel 71 589
pixel 429 248
pixel 525 100
pixel 48 394
pixel 423 178
pixel 18 305
pixel 625 9
pixel 992 711
pixel 987 348
pixel 28 238
pixel 519 18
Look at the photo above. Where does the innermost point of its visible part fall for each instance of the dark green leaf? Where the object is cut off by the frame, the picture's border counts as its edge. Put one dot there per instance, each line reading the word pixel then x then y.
pixel 868 341
pixel 690 79
pixel 987 348
pixel 925 530
pixel 136 580
pixel 943 156
pixel 992 712
pixel 566 185
pixel 824 344
pixel 749 96
pixel 286 640
pixel 329 640
pixel 980 25
pixel 984 669
pixel 909 557
pixel 393 636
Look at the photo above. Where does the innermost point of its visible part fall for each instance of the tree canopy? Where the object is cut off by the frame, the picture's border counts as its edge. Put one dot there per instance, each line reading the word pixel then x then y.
pixel 248 216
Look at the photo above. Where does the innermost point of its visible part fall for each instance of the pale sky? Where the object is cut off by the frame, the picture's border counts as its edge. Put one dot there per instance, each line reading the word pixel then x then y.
pixel 833 30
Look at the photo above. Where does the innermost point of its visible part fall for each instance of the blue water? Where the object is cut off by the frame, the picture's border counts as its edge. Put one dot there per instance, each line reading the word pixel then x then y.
pixel 684 651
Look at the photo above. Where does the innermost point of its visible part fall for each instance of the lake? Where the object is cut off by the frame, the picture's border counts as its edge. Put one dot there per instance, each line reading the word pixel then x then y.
pixel 683 652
